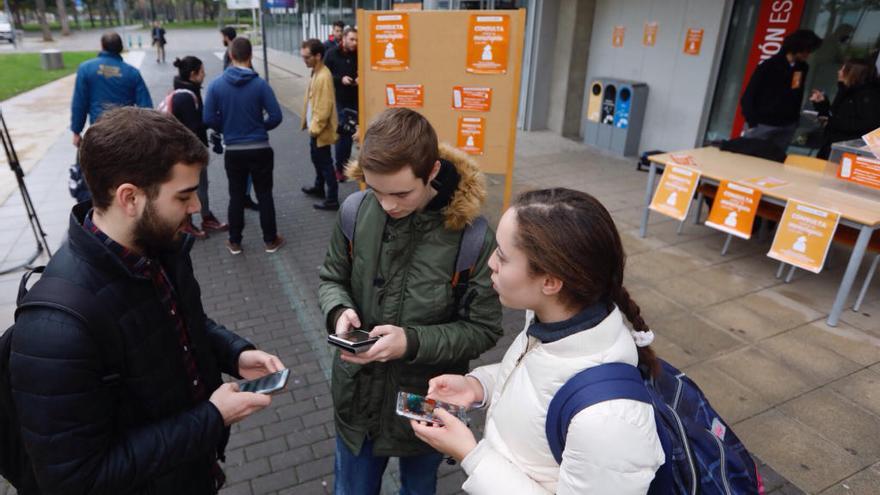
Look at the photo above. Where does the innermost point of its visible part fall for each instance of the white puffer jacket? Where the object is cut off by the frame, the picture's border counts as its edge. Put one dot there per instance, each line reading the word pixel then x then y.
pixel 611 447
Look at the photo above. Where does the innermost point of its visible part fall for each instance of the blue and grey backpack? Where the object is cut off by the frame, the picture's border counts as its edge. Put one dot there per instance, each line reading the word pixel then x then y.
pixel 703 455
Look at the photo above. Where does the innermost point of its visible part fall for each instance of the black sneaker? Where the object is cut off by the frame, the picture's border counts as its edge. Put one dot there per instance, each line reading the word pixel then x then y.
pixel 251 204
pixel 315 192
pixel 327 206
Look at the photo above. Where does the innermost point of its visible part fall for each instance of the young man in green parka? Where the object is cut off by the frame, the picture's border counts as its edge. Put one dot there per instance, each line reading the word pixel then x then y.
pixel 395 278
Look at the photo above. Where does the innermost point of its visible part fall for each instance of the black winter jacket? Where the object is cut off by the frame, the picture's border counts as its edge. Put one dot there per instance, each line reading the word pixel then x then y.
pixel 143 434
pixel 189 111
pixel 853 113
pixel 775 92
pixel 342 63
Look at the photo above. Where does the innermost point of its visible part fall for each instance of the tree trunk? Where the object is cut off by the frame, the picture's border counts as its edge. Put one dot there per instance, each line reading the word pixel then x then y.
pixel 91 16
pixel 41 16
pixel 76 17
pixel 62 16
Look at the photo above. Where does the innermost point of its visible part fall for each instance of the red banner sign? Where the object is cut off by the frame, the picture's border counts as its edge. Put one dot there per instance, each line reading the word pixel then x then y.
pixel 776 20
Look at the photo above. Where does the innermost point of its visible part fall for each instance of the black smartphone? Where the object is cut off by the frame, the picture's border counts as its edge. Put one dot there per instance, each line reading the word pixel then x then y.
pixel 355 341
pixel 267 384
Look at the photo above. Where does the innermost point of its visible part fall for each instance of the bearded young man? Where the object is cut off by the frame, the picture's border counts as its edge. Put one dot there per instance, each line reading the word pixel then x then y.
pixel 158 421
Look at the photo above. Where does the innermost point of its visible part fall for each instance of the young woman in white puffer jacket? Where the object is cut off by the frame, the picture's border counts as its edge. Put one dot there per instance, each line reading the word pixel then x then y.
pixel 560 257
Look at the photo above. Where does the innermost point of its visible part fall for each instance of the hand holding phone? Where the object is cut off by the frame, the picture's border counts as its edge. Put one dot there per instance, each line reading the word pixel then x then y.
pixel 347 321
pixel 268 384
pixel 420 408
pixel 355 341
pixel 456 389
pixel 234 405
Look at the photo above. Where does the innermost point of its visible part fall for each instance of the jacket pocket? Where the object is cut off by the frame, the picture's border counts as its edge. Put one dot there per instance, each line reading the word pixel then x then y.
pixel 344 388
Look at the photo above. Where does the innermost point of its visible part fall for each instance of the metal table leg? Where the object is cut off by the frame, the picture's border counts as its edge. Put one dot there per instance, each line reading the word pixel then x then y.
pixel 852 268
pixel 649 193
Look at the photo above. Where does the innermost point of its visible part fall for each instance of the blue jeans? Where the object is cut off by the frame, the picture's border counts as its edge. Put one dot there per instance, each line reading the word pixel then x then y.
pixel 324 173
pixel 362 474
pixel 342 149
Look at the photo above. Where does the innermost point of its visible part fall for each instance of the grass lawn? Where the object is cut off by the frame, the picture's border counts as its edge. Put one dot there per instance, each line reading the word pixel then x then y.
pixel 20 72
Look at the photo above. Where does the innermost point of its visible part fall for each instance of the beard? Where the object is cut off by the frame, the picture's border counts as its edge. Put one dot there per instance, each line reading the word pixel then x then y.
pixel 153 234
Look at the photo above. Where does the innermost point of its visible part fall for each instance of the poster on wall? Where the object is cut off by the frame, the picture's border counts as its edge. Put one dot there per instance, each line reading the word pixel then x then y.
pixel 404 96
pixel 471 98
pixel 693 41
pixel 389 44
pixel 617 36
pixel 471 132
pixel 488 44
pixel 649 37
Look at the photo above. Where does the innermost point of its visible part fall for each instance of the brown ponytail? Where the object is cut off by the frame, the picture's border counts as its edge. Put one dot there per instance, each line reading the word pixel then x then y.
pixel 570 235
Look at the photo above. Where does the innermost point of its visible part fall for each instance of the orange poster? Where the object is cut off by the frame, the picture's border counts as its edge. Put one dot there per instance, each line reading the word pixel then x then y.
pixel 649 37
pixel 471 98
pixel 859 169
pixel 675 191
pixel 617 36
pixel 873 140
pixel 488 44
pixel 389 47
pixel 693 41
pixel 734 209
pixel 404 95
pixel 804 235
pixel 767 181
pixel 471 131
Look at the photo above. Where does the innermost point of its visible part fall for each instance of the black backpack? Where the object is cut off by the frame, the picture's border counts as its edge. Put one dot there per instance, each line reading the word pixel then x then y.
pixel 469 248
pixel 60 294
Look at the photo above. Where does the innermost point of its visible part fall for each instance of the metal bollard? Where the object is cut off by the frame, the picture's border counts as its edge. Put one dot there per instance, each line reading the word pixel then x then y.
pixel 50 59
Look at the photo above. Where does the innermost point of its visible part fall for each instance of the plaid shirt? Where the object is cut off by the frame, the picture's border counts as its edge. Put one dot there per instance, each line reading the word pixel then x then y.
pixel 152 269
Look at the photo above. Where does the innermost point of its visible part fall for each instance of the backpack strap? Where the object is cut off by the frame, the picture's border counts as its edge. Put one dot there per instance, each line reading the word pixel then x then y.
pixel 62 295
pixel 469 250
pixel 591 386
pixel 348 213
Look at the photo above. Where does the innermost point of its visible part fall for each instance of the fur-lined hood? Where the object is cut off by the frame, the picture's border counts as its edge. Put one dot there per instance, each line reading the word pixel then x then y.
pixel 468 198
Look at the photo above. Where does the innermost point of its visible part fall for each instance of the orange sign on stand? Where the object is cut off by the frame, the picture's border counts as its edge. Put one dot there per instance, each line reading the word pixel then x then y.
pixel 693 41
pixel 859 169
pixel 389 50
pixel 404 95
pixel 649 37
pixel 471 98
pixel 617 36
pixel 675 191
pixel 734 209
pixel 804 235
pixel 471 131
pixel 488 44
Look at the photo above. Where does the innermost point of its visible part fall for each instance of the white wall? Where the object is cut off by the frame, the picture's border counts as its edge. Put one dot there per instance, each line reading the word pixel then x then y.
pixel 679 85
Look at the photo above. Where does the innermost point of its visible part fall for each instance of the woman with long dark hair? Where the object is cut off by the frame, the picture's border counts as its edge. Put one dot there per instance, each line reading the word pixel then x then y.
pixel 855 110
pixel 560 257
pixel 186 105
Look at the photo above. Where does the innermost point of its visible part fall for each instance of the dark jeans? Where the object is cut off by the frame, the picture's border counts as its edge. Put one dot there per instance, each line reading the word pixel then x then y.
pixel 258 164
pixel 343 145
pixel 203 194
pixel 362 474
pixel 324 173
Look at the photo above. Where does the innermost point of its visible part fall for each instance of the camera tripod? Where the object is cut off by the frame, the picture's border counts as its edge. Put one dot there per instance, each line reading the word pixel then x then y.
pixel 36 227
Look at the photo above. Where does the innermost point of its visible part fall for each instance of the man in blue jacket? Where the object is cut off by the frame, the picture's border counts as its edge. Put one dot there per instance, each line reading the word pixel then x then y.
pixel 103 82
pixel 234 105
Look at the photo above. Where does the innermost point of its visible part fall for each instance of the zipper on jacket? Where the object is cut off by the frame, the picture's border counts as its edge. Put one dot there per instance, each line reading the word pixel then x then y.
pixel 723 462
pixel 687 449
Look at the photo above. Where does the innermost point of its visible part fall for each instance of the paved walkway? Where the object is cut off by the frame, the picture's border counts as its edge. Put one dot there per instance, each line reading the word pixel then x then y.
pixel 803 397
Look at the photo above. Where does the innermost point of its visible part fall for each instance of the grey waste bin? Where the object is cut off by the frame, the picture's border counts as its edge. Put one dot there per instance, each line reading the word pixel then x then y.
pixel 615 111
pixel 51 59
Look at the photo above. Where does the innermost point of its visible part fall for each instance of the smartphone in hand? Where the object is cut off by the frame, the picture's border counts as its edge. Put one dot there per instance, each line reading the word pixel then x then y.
pixel 421 408
pixel 355 341
pixel 268 384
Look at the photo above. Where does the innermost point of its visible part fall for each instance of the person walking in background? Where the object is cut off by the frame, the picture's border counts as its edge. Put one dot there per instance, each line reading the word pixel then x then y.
pixel 102 82
pixel 243 107
pixel 855 110
pixel 319 118
pixel 228 34
pixel 186 105
pixel 159 41
pixel 335 37
pixel 342 62
pixel 771 102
